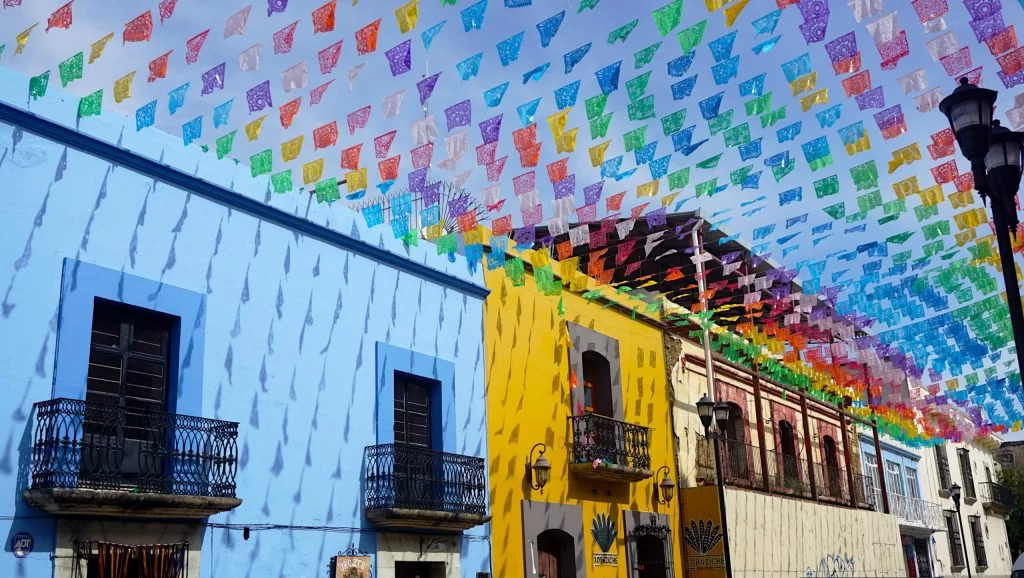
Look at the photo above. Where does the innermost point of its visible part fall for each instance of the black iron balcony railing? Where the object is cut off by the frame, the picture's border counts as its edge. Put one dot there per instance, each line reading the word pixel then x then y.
pixel 409 477
pixel 864 492
pixel 85 445
pixel 995 496
pixel 788 474
pixel 831 483
pixel 741 462
pixel 596 438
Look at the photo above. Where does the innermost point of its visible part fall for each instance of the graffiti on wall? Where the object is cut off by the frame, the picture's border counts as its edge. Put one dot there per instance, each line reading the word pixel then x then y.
pixel 833 566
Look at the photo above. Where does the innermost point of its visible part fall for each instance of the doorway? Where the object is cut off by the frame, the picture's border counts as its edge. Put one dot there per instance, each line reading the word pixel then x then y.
pixel 556 555
pixel 419 570
pixel 650 555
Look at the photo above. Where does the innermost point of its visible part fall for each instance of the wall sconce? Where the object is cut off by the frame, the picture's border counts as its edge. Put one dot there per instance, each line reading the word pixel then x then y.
pixel 668 488
pixel 542 467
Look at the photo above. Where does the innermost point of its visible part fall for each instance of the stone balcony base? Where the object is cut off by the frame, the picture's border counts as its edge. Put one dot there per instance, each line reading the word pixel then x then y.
pixel 126 504
pixel 413 519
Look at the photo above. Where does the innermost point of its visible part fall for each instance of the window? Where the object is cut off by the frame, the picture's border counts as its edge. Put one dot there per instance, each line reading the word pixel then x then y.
pixel 871 479
pixel 945 482
pixel 893 479
pixel 735 443
pixel 966 474
pixel 912 488
pixel 597 384
pixel 980 557
pixel 413 419
pixel 129 360
pixel 956 545
pixel 787 443
pixel 832 472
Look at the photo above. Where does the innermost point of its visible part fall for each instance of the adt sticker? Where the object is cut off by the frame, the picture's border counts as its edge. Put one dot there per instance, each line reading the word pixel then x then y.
pixel 21 544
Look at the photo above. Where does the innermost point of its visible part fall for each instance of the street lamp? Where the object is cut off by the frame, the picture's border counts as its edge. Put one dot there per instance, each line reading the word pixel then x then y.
pixel 667 486
pixel 706 410
pixel 541 467
pixel 954 492
pixel 995 156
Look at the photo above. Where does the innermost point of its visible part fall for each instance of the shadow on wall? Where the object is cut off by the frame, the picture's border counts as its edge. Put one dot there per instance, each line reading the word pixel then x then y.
pixel 26 518
pixel 833 566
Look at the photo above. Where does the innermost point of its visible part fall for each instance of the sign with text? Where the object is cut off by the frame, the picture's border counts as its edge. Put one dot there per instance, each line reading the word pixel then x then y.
pixel 351 567
pixel 704 547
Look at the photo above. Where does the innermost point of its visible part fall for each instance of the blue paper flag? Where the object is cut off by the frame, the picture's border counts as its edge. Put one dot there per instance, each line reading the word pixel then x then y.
pixel 795 220
pixel 767 23
pixel 518 3
pixel 723 72
pixel 573 57
pixel 750 150
pixel 473 16
pixel 508 49
pixel 681 65
pixel 816 149
pixel 192 130
pixel 777 159
pixel 222 113
pixel 493 96
pixel 145 115
pixel 610 167
pixel 721 47
pixel 625 175
pixel 767 45
pixel 527 111
pixel 753 86
pixel 566 96
pixel 659 167
pixel 608 77
pixel 469 67
pixel 787 238
pixel 536 73
pixel 763 232
pixel 548 28
pixel 819 229
pixel 830 115
pixel 789 132
pixel 752 181
pixel 799 66
pixel 681 140
pixel 429 34
pixel 791 196
pixel 176 98
pixel 709 106
pixel 645 154
pixel 684 87
pixel 374 215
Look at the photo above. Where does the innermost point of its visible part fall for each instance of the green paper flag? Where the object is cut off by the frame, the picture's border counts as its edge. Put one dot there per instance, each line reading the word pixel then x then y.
pixel 900 238
pixel 642 58
pixel 584 5
pixel 690 38
pixel 635 138
pixel 710 163
pixel 514 269
pixel 935 230
pixel 282 181
pixel 856 217
pixel 261 163
pixel 739 175
pixel 642 109
pixel 771 118
pixel 37 85
pixel 622 32
pixel 707 188
pixel 452 2
pixel 836 211
pixel 91 105
pixel 599 126
pixel 720 122
pixel 760 105
pixel 780 171
pixel 679 179
pixel 737 135
pixel 449 243
pixel 869 201
pixel 933 248
pixel 667 17
pixel 595 105
pixel 224 144
pixel 327 191
pixel 637 86
pixel 888 219
pixel 71 69
pixel 820 163
pixel 673 123
pixel 901 257
pixel 2 47
pixel 826 187
pixel 895 207
pixel 865 176
pixel 924 213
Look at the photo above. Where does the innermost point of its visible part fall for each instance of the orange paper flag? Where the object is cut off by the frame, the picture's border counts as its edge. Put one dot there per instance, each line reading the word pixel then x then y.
pixel 140 29
pixel 289 110
pixel 61 18
pixel 323 17
pixel 366 37
pixel 158 66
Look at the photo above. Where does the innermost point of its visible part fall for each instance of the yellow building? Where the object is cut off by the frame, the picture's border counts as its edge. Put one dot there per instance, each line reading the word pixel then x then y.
pixel 587 390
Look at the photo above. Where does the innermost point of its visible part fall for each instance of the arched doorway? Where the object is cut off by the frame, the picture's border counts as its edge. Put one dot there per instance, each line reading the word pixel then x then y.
pixel 787 446
pixel 650 555
pixel 832 473
pixel 556 555
pixel 736 444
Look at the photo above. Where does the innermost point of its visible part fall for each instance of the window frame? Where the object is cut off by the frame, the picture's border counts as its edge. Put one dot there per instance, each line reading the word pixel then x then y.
pixel 942 462
pixel 966 474
pixel 978 539
pixel 957 553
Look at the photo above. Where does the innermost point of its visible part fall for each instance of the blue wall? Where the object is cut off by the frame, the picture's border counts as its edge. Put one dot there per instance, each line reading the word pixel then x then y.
pixel 279 331
pixel 891 453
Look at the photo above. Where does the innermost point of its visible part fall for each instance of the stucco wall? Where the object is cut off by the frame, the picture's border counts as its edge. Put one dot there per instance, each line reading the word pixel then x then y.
pixel 529 402
pixel 289 338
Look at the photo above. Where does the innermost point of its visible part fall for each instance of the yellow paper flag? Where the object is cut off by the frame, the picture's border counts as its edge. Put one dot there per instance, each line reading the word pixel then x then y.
pixel 713 5
pixel 597 153
pixel 407 15
pixel 123 87
pixel 567 144
pixel 904 156
pixel 667 200
pixel 567 269
pixel 252 129
pixel 474 236
pixel 290 149
pixel 732 12
pixel 804 83
pixel 356 180
pixel 932 195
pixel 647 189
pixel 96 48
pixel 961 199
pixel 539 259
pixel 557 122
pixel 818 97
pixel 22 39
pixel 312 171
pixel 906 187
pixel 434 231
pixel 860 145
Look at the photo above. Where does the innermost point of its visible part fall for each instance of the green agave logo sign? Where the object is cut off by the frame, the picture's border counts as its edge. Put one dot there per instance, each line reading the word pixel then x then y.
pixel 604 532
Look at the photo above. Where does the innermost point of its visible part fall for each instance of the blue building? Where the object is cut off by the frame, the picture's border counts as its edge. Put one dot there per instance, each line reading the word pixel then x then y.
pixel 200 373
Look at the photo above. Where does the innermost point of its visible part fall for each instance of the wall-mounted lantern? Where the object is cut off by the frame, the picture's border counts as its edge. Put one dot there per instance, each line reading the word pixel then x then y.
pixel 542 468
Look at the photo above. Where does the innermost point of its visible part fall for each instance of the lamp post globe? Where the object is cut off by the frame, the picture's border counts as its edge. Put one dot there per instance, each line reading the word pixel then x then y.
pixel 722 415
pixel 954 492
pixel 668 489
pixel 705 407
pixel 969 111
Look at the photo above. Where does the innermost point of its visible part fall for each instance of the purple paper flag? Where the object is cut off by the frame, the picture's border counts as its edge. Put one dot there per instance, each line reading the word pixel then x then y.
pixel 981 9
pixel 811 9
pixel 842 48
pixel 432 194
pixel 592 193
pixel 276 6
pixel 258 97
pixel 460 114
pixel 490 129
pixel 525 236
pixel 418 180
pixel 213 78
pixel 400 58
pixel 565 187
pixel 873 98
pixel 814 29
pixel 426 87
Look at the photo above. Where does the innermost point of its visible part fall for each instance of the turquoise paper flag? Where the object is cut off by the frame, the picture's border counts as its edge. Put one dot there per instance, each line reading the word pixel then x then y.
pixel 473 16
pixel 494 96
pixel 470 67
pixel 566 96
pixel 222 113
pixel 145 115
pixel 176 98
pixel 767 23
pixel 549 28
pixel 508 49
pixel 527 111
pixel 536 73
pixel 192 130
pixel 721 47
pixel 429 34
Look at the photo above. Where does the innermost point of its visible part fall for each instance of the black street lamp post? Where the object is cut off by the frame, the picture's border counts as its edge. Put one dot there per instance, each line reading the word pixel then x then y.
pixel 995 155
pixel 707 410
pixel 954 492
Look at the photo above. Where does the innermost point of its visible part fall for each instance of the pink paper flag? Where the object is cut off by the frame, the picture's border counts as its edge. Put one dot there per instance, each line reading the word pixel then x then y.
pixel 194 45
pixel 328 57
pixel 284 37
pixel 235 24
pixel 358 119
pixel 60 18
pixel 485 153
pixel 495 169
pixel 382 144
pixel 422 155
pixel 317 93
pixel 525 182
pixel 167 9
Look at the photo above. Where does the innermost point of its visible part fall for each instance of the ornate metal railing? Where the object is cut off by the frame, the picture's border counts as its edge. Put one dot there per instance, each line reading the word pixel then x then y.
pixel 831 483
pixel 916 511
pixel 864 493
pixel 401 476
pixel 595 437
pixel 993 494
pixel 86 445
pixel 741 462
pixel 788 474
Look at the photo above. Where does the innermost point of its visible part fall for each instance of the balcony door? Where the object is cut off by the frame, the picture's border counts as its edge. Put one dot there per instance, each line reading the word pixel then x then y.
pixel 736 444
pixel 832 472
pixel 787 445
pixel 417 484
pixel 126 393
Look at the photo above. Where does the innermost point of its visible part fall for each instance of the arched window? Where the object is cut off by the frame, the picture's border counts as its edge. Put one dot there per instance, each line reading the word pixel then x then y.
pixel 556 555
pixel 832 474
pixel 597 384
pixel 787 445
pixel 736 443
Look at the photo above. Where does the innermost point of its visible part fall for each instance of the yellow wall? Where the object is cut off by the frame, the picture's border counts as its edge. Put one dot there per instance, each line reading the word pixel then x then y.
pixel 528 396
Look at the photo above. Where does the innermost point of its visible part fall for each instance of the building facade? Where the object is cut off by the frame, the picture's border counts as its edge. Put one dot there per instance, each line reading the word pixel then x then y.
pixel 586 390
pixel 210 377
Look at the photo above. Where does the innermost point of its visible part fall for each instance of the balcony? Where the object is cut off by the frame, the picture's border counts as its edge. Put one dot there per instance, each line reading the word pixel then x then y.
pixel 911 512
pixel 409 487
pixel 995 498
pixel 610 450
pixel 102 460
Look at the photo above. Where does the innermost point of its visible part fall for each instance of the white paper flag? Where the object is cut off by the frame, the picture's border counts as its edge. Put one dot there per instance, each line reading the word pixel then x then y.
pixel 865 8
pixel 528 200
pixel 935 26
pixel 558 226
pixel 457 144
pixel 749 298
pixel 653 240
pixel 491 195
pixel 884 29
pixel 353 73
pixel 393 104
pixel 249 59
pixel 730 268
pixel 940 46
pixel 624 227
pixel 913 81
pixel 423 131
pixel 295 77
pixel 1016 117
pixel 448 165
pixel 744 280
pixel 461 178
pixel 579 235
pixel 565 207
pixel 930 100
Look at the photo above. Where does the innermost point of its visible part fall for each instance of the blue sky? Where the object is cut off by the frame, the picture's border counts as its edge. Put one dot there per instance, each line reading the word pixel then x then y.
pixel 95 18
